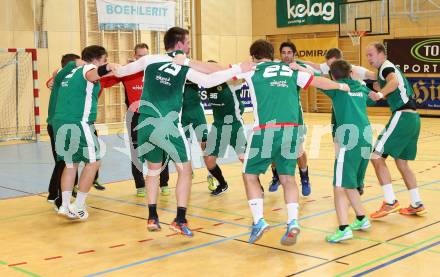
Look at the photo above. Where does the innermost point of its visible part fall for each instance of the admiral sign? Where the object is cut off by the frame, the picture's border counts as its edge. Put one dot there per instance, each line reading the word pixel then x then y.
pixel 415 55
pixel 302 12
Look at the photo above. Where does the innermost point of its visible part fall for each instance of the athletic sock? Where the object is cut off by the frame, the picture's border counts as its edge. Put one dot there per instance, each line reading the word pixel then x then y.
pixel 415 197
pixel 152 212
pixel 66 195
pixel 256 206
pixel 217 173
pixel 181 215
pixel 292 211
pixel 360 217
pixel 342 227
pixel 80 199
pixel 388 193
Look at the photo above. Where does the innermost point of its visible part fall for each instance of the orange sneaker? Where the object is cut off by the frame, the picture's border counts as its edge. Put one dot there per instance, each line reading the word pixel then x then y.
pixel 181 228
pixel 386 209
pixel 153 225
pixel 419 210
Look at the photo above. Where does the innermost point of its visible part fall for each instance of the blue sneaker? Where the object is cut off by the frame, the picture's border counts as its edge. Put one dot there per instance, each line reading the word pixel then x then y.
pixel 274 184
pixel 292 232
pixel 305 182
pixel 181 228
pixel 258 230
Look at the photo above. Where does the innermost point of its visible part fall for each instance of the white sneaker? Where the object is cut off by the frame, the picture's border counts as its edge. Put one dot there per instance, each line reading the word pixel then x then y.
pixel 82 214
pixel 63 211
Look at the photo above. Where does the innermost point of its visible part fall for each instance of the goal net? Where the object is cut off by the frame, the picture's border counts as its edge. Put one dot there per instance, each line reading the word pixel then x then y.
pixel 19 95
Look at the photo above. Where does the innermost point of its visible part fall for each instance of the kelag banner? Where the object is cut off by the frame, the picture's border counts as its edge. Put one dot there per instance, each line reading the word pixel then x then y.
pixel 426 93
pixel 136 15
pixel 304 12
pixel 415 55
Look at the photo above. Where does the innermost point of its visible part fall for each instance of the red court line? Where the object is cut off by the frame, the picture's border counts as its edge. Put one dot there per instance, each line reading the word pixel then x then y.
pixel 22 263
pixel 117 245
pixel 85 252
pixel 237 219
pixel 53 258
pixel 170 235
pixel 218 224
pixel 311 200
pixel 144 240
pixel 328 196
pixel 276 209
pixel 369 186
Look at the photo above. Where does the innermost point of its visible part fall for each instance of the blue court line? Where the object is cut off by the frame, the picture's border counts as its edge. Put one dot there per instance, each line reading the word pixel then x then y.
pixel 173 211
pixel 221 240
pixel 396 259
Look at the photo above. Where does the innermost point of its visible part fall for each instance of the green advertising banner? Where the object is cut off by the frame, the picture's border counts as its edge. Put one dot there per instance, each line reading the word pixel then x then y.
pixel 304 12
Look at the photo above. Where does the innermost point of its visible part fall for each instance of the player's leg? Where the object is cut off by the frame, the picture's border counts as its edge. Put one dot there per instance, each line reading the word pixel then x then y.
pixel 152 184
pixel 67 182
pixel 54 179
pixel 291 196
pixel 254 164
pixel 136 165
pixel 164 176
pixel 303 168
pixel 96 182
pixel 416 207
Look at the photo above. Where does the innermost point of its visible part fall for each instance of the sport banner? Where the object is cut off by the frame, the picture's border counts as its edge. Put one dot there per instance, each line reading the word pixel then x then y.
pixel 314 49
pixel 418 55
pixel 136 14
pixel 304 12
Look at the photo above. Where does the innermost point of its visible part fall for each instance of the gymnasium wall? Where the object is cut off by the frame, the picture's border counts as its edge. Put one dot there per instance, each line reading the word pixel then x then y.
pixel 61 21
pixel 401 26
pixel 224 30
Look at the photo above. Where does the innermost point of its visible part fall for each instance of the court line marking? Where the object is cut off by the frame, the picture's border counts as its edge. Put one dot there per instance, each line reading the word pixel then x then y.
pixel 390 255
pixel 360 250
pixel 232 238
pixel 396 259
pixel 21 270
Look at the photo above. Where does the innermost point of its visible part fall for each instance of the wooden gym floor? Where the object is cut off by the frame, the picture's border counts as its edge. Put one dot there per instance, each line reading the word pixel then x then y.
pixel 114 241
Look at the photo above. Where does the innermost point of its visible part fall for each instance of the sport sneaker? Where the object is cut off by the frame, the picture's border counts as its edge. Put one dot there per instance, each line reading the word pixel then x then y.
pixel 81 214
pixel 386 209
pixel 340 235
pixel 153 225
pixel 98 185
pixel 258 230
pixel 164 191
pixel 220 190
pixel 140 192
pixel 211 182
pixel 63 211
pixel 419 210
pixel 292 232
pixel 181 228
pixel 305 182
pixel 363 224
pixel 274 184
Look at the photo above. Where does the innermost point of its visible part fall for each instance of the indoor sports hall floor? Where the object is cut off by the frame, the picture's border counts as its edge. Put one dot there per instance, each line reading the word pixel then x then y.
pixel 114 241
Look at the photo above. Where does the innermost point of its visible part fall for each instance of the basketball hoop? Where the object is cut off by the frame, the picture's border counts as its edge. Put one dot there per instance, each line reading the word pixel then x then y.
pixel 355 36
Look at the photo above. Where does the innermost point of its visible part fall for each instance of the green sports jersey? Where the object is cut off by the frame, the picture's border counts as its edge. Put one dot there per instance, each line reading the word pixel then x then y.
pixel 274 92
pixel 55 87
pixel 225 103
pixel 77 98
pixel 163 89
pixel 350 107
pixel 191 95
pixel 403 93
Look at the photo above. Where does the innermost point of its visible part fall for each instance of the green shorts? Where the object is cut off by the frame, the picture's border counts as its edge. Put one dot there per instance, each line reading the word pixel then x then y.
pixel 161 137
pixel 222 135
pixel 76 142
pixel 350 166
pixel 400 136
pixel 262 150
pixel 195 117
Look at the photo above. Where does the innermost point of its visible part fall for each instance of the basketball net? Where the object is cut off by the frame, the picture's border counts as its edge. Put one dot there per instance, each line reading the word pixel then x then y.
pixel 355 36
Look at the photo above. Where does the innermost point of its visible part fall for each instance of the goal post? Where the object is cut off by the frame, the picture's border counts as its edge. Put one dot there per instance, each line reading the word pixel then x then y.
pixel 19 103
